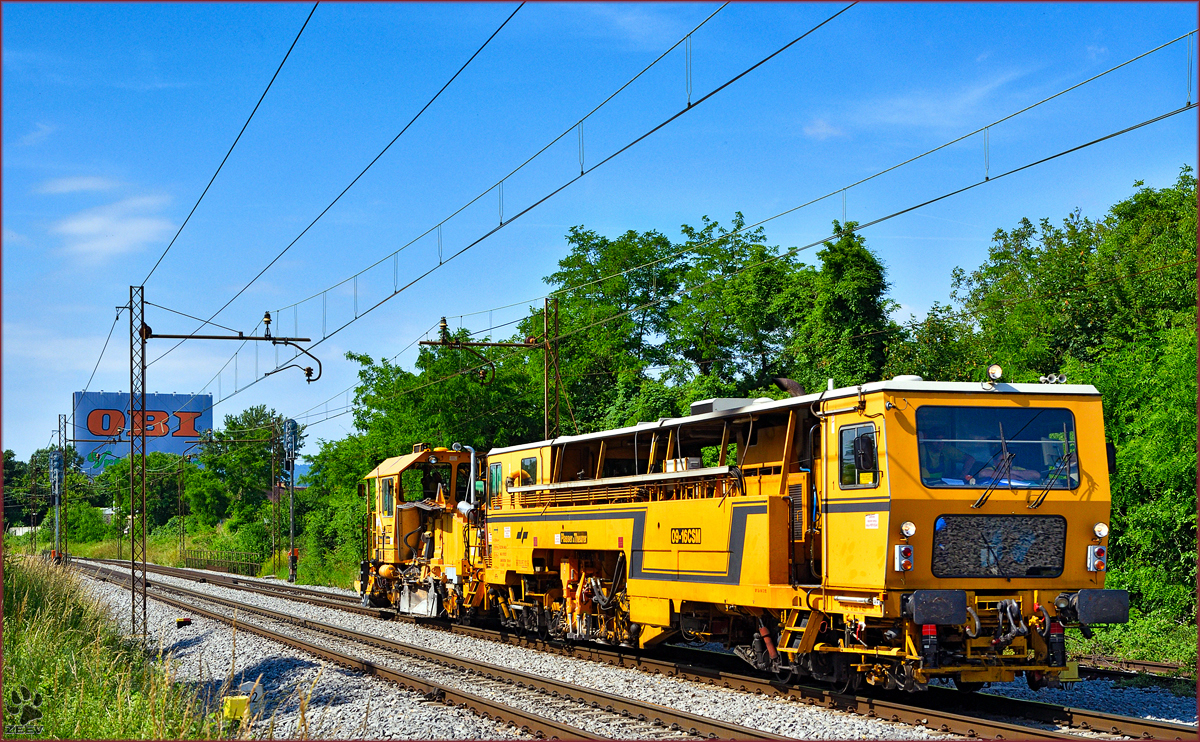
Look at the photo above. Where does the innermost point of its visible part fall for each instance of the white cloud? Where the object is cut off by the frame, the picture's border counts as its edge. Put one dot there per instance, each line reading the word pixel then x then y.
pixel 939 109
pixel 115 229
pixel 638 24
pixel 40 132
pixel 821 129
pixel 77 184
pixel 1095 51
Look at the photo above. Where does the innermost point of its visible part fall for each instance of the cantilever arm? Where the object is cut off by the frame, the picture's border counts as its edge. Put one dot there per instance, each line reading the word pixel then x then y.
pixel 307 369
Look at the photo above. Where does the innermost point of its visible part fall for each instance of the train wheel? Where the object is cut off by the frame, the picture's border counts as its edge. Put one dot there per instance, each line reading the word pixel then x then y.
pixel 849 686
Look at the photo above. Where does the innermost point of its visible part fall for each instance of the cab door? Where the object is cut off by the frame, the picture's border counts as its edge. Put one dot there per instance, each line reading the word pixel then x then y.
pixel 856 503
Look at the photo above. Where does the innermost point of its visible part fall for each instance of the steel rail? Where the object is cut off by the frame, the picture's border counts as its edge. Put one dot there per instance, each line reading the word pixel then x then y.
pixel 1119 667
pixel 658 715
pixel 929 715
pixel 926 711
pixel 485 707
pixel 287 592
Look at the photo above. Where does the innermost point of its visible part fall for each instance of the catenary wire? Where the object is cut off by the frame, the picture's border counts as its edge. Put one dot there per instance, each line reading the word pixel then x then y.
pixel 554 192
pixel 832 192
pixel 745 228
pixel 235 141
pixel 518 168
pixel 352 182
pixel 794 250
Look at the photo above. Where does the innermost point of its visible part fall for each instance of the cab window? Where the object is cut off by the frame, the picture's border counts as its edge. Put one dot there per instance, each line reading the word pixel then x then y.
pixel 984 447
pixel 850 476
pixel 495 477
pixel 529 466
pixel 462 475
pixel 387 493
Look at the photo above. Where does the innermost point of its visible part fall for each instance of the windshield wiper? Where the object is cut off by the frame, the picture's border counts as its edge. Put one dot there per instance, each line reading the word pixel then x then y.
pixel 1064 463
pixel 1001 471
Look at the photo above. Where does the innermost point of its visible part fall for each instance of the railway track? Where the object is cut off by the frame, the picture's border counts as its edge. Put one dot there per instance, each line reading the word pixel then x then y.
pixel 638 719
pixel 1097 666
pixel 938 709
pixel 928 709
pixel 286 591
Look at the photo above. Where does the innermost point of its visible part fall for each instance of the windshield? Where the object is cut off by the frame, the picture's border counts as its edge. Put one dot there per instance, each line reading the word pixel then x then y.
pixel 981 446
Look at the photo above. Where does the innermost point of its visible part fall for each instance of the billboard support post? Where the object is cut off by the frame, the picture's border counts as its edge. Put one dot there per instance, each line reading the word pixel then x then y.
pixel 59 481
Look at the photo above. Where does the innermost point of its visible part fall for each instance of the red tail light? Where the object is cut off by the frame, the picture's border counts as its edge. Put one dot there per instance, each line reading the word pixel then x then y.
pixel 928 629
pixel 1056 627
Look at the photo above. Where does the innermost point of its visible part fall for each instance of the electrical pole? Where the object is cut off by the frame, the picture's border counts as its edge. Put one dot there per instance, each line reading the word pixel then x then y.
pixel 138 333
pixel 274 504
pixel 290 440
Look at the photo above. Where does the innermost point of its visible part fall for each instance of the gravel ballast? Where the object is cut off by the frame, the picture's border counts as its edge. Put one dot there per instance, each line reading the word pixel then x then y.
pixel 773 715
pixel 343 704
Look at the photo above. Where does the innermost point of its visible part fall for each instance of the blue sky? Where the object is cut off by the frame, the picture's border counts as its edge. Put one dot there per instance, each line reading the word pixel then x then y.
pixel 116 115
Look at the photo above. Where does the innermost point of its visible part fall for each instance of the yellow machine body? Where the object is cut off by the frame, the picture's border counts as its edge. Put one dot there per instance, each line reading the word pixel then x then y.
pixel 762 525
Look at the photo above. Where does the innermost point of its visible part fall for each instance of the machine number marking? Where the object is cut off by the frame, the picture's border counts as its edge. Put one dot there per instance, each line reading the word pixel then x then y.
pixel 685 535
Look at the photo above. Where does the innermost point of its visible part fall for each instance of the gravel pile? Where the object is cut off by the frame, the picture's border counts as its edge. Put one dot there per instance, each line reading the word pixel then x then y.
pixel 776 716
pixel 341 703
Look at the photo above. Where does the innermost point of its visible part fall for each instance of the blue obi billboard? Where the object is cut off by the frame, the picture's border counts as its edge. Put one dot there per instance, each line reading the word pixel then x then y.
pixel 173 424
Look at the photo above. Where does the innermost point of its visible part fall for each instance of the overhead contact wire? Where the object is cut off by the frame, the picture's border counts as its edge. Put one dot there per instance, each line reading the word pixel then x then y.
pixel 235 142
pixel 794 250
pixel 518 168
pixel 356 179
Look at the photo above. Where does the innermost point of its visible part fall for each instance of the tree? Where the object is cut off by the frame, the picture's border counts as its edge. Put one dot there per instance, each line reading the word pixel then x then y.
pixel 843 324
pixel 1112 303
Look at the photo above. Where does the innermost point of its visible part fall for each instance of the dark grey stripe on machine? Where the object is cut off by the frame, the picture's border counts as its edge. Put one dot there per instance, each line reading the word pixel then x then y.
pixel 876 506
pixel 737 539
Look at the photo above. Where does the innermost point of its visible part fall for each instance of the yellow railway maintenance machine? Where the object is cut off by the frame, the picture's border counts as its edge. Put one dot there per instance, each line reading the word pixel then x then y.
pixel 424 533
pixel 893 532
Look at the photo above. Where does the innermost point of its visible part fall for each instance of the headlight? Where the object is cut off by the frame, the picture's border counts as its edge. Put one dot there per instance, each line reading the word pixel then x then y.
pixel 432 459
pixel 1101 530
pixel 908 528
pixel 995 372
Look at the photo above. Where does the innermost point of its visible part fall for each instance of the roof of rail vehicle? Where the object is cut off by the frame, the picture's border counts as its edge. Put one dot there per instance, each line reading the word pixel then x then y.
pixel 394 465
pixel 890 385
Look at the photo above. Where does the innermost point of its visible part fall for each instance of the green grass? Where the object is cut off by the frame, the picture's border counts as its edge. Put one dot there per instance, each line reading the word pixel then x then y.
pixel 92 682
pixel 326 571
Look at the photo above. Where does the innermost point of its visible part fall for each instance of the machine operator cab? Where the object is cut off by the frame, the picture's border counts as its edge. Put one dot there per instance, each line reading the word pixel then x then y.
pixel 422 534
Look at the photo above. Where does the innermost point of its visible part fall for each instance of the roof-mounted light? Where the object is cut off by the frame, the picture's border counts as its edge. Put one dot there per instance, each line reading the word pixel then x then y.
pixel 995 372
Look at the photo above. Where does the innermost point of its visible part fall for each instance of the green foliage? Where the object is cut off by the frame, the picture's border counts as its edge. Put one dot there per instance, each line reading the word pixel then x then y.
pixel 91 684
pixel 842 325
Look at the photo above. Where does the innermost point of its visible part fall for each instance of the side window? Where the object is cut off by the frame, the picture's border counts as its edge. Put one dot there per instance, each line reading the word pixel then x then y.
pixel 462 475
pixel 849 474
pixel 495 478
pixel 388 496
pixel 529 466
